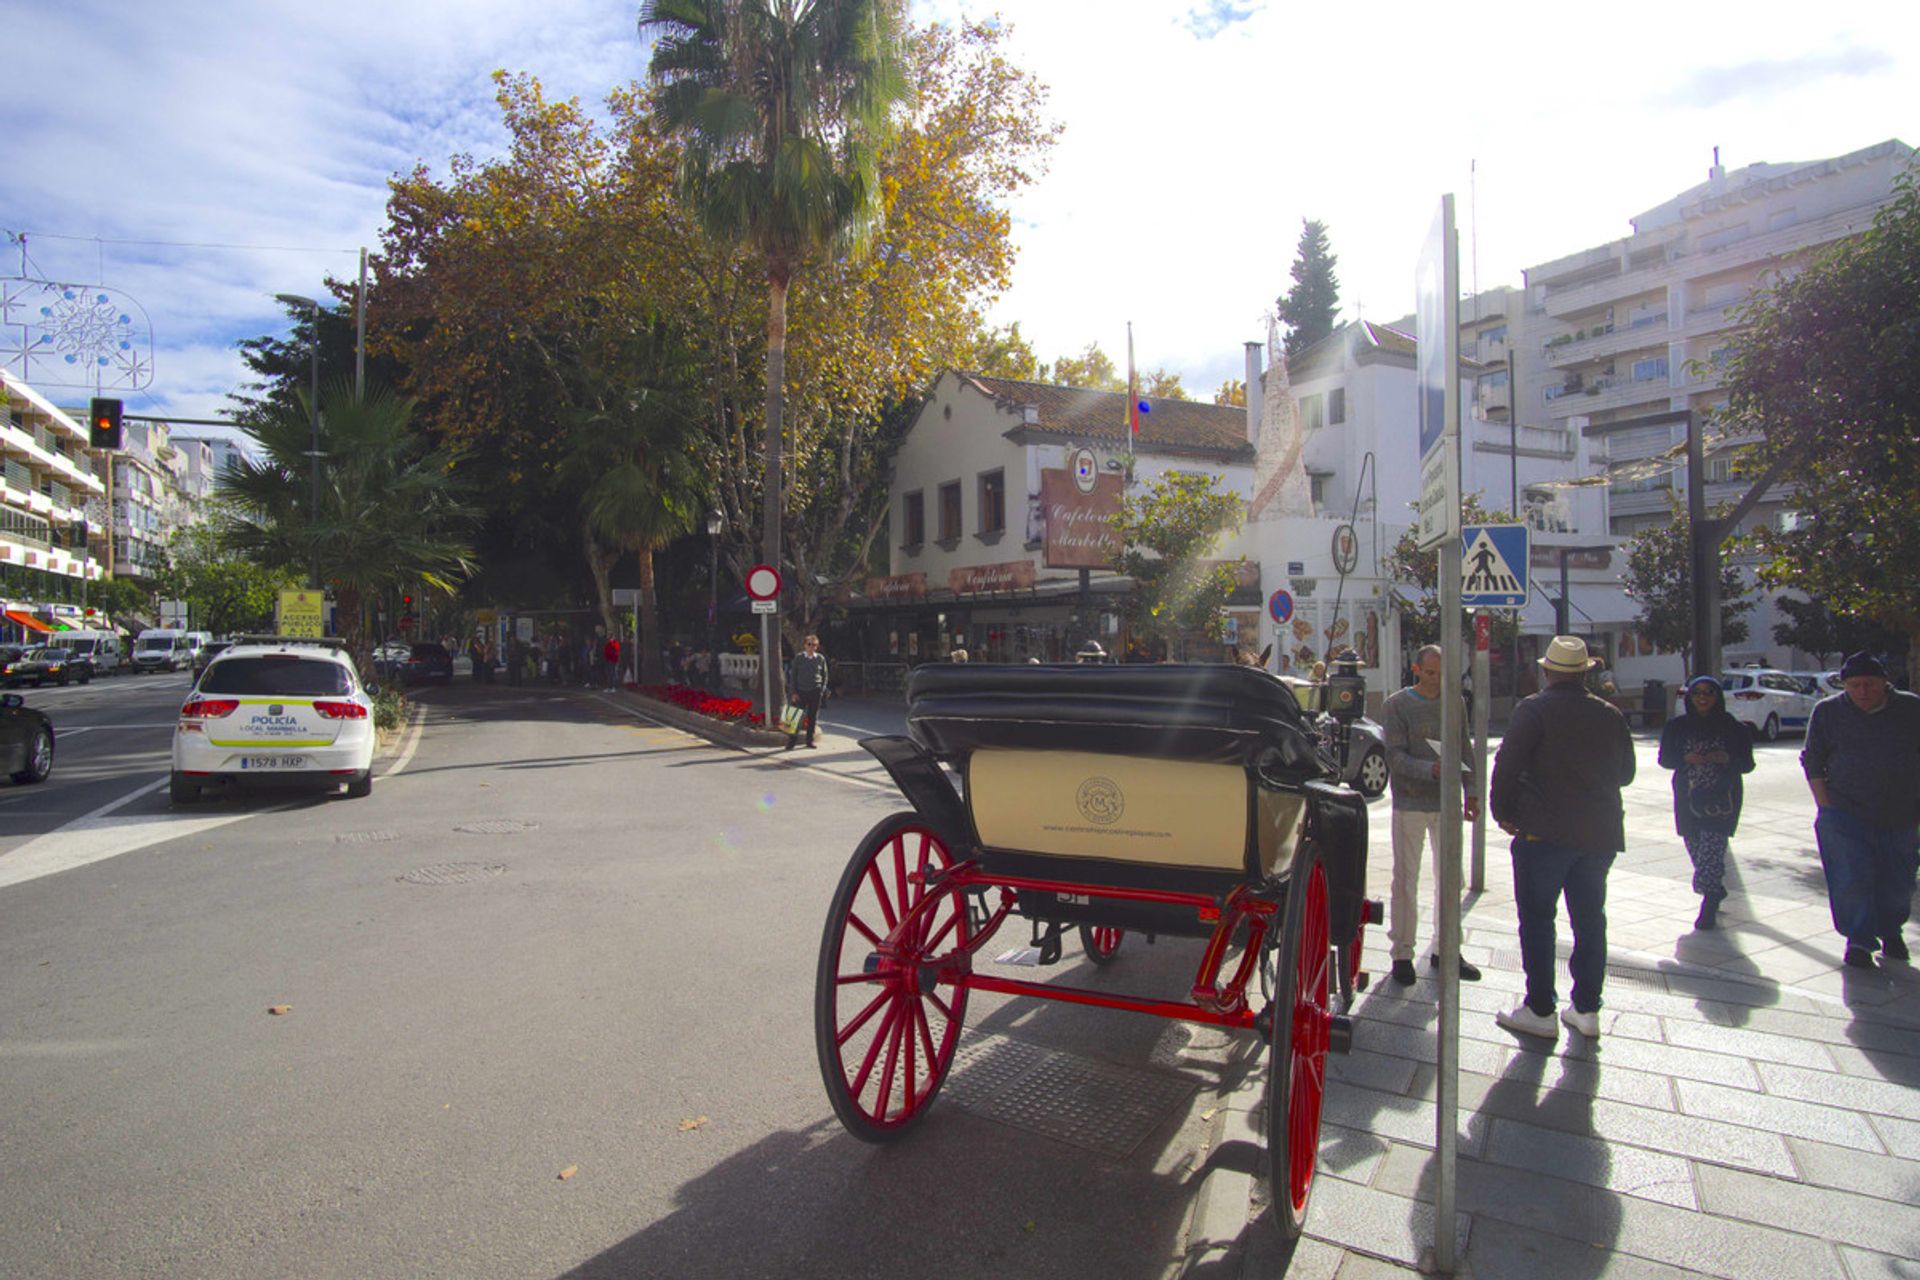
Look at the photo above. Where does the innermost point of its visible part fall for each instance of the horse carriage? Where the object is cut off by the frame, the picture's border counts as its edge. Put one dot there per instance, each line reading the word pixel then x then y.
pixel 1183 801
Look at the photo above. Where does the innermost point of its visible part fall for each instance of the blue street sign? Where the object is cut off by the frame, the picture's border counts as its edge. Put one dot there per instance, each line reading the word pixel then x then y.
pixel 1493 566
pixel 1280 606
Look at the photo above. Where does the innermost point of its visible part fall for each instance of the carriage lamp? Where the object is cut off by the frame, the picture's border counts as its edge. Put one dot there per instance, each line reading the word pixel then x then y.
pixel 1346 687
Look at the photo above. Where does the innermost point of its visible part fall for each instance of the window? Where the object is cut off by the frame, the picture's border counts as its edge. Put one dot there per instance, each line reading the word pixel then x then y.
pixel 914 520
pixel 1313 412
pixel 993 501
pixel 1492 381
pixel 281 674
pixel 1496 334
pixel 1337 406
pixel 950 511
pixel 1650 369
pixel 1724 236
pixel 1317 490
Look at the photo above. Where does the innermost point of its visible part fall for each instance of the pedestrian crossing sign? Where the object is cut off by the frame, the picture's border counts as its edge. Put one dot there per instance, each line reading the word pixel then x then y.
pixel 1493 566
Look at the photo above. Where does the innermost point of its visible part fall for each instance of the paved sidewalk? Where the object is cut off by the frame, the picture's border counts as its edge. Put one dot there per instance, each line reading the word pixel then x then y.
pixel 1751 1110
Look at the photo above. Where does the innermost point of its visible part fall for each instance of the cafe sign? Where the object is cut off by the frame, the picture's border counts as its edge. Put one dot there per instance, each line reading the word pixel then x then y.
pixel 1080 532
pixel 901 586
pixel 1011 575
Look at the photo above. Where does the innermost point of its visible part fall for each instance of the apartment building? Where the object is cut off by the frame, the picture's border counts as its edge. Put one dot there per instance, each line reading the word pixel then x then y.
pixel 207 460
pixel 1634 329
pixel 159 485
pixel 49 494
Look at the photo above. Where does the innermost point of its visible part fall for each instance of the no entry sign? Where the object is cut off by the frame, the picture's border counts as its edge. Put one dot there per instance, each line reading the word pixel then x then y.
pixel 763 582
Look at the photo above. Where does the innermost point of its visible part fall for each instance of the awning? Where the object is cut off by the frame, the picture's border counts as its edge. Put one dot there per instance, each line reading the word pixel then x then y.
pixel 1587 607
pixel 28 621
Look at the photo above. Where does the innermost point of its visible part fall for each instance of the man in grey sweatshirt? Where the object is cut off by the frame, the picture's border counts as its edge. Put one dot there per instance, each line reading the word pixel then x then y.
pixel 1862 761
pixel 1410 719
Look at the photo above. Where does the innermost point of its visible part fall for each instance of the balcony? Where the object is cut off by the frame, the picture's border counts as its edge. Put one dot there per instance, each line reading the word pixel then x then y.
pixel 1595 395
pixel 1607 340
pixel 1533 442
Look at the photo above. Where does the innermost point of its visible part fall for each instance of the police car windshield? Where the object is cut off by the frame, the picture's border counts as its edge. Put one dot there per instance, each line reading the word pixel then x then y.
pixel 281 675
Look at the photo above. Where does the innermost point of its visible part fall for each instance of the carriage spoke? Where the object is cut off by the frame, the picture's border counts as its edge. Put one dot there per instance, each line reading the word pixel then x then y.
pixel 892 1060
pixel 865 932
pixel 880 892
pixel 846 1033
pixel 939 1004
pixel 900 885
pixel 926 1032
pixel 852 979
pixel 873 1050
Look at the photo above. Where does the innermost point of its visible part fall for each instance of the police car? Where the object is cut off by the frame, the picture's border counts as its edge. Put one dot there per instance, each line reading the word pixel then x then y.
pixel 1769 701
pixel 275 709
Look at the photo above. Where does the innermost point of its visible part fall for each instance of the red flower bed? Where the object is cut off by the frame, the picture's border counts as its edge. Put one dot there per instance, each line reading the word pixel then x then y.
pixel 713 706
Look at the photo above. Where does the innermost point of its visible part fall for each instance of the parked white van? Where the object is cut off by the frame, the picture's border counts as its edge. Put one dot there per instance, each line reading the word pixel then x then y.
pixel 162 649
pixel 100 650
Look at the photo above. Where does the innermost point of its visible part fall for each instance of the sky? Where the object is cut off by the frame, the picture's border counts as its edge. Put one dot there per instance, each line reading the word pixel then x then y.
pixel 197 157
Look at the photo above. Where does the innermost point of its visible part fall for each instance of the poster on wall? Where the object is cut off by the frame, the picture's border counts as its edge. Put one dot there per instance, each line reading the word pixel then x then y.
pixel 1079 519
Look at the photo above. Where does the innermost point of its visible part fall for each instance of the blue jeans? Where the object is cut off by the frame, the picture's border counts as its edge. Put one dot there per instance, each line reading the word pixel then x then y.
pixel 1542 872
pixel 1870 874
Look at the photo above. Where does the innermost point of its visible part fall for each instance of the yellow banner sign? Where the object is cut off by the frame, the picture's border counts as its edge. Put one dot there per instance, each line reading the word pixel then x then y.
pixel 303 613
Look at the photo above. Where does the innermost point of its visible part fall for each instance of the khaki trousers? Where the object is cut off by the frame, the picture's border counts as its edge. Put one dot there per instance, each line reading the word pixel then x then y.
pixel 1413 829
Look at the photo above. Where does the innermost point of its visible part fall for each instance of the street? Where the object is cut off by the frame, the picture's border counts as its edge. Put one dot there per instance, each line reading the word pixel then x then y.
pixel 546 1010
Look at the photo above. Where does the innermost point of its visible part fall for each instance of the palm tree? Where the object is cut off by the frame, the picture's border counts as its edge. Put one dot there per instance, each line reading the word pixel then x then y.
pixel 390 513
pixel 781 106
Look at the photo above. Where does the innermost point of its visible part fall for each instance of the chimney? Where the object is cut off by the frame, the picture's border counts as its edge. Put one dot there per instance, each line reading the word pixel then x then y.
pixel 1716 175
pixel 1254 397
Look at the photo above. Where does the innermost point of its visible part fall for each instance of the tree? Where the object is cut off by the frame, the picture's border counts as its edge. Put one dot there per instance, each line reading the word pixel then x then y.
pixel 1659 575
pixel 1813 628
pixel 1092 368
pixel 1005 353
pixel 1233 391
pixel 1311 306
pixel 225 593
pixel 115 596
pixel 1166 532
pixel 1420 609
pixel 390 515
pixel 781 110
pixel 1162 385
pixel 1825 378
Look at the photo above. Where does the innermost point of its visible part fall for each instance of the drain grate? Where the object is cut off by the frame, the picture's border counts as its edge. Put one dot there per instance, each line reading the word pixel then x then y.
pixel 1645 979
pixel 496 827
pixel 366 837
pixel 453 873
pixel 1102 1108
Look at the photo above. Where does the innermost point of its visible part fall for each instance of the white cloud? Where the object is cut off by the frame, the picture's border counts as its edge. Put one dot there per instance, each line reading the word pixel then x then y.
pixel 1200 133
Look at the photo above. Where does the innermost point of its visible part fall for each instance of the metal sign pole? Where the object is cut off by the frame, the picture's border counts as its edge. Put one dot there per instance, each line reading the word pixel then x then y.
pixel 1482 715
pixel 771 717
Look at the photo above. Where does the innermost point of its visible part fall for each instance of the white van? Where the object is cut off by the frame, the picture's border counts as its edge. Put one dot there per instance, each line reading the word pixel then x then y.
pixel 100 650
pixel 196 641
pixel 162 649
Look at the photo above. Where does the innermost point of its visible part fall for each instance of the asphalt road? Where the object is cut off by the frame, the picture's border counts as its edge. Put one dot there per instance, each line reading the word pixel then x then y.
pixel 547 1012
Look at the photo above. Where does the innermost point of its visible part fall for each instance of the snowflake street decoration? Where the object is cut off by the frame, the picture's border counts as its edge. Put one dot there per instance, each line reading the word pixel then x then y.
pixel 74 335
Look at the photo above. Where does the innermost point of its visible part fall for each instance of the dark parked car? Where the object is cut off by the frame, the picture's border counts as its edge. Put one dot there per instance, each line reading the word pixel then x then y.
pixel 47 663
pixel 425 663
pixel 26 741
pixel 206 654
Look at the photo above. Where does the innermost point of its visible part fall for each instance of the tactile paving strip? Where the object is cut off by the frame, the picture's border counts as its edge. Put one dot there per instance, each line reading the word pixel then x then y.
pixel 496 827
pixel 1644 979
pixel 366 837
pixel 453 873
pixel 1102 1108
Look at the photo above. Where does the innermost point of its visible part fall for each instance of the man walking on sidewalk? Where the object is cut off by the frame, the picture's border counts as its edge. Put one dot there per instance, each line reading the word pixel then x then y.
pixel 807 684
pixel 1411 721
pixel 1862 761
pixel 1556 791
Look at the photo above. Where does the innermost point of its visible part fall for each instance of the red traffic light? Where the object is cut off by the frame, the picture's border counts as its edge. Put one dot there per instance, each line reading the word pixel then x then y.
pixel 103 423
pixel 407 600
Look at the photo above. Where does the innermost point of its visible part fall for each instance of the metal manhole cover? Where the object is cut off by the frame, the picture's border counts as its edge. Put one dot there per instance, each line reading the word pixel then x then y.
pixel 496 827
pixel 1102 1108
pixel 453 873
pixel 366 837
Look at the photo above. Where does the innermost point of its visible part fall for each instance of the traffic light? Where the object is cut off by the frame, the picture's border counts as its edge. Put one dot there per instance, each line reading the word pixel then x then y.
pixel 103 424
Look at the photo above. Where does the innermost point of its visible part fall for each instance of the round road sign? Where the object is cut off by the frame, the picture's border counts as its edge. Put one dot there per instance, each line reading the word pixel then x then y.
pixel 1346 549
pixel 1086 470
pixel 1280 606
pixel 763 582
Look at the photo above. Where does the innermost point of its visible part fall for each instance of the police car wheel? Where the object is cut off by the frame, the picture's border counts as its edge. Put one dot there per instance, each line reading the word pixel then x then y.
pixel 181 791
pixel 361 786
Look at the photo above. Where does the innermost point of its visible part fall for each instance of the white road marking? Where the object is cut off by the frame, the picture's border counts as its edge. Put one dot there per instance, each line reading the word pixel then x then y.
pixel 97 835
pixel 89 728
pixel 416 729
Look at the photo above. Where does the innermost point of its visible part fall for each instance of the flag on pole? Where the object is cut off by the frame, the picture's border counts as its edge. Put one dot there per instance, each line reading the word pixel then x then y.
pixel 1133 393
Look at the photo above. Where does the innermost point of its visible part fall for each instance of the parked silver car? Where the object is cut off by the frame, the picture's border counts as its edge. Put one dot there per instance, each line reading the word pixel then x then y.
pixel 1359 747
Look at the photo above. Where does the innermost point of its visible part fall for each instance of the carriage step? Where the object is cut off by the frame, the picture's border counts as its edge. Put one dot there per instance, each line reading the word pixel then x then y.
pixel 1340 1034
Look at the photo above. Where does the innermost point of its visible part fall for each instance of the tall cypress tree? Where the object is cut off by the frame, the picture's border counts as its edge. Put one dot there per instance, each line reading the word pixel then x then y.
pixel 1309 308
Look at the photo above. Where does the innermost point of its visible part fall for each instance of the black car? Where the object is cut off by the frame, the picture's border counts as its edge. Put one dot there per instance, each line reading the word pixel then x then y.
pixel 425 663
pixel 206 654
pixel 26 741
pixel 47 663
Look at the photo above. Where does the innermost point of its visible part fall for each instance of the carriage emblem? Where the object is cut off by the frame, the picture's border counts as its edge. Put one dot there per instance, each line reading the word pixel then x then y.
pixel 1100 801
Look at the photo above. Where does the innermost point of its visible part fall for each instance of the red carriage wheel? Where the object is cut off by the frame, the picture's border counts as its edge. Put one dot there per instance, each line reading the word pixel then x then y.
pixel 887 1019
pixel 1100 943
pixel 1301 1033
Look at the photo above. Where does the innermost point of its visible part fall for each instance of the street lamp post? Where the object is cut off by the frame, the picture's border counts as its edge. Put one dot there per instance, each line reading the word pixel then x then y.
pixel 313 454
pixel 716 521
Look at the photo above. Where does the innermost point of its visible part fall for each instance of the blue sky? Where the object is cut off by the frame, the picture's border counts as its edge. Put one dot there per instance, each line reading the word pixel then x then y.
pixel 1199 133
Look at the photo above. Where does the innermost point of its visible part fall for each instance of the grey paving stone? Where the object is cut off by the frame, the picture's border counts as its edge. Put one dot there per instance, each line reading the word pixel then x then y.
pixel 1378 1223
pixel 1371 1070
pixel 1840 1215
pixel 1722 1246
pixel 1882 1097
pixel 1664 1059
pixel 1902 1137
pixel 1358 1266
pixel 1392 1116
pixel 1862 1265
pixel 1692 1137
pixel 1421 1044
pixel 1763 1046
pixel 1352 1154
pixel 1506 1251
pixel 1580 1211
pixel 1884 1177
pixel 1777 1115
pixel 1876 1064
pixel 1632 1171
pixel 1265 1255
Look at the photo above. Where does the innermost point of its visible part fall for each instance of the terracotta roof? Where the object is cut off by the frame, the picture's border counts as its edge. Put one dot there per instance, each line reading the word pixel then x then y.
pixel 1180 425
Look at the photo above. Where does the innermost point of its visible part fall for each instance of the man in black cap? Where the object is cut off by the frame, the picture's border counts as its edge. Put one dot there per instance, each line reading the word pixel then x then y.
pixel 1862 761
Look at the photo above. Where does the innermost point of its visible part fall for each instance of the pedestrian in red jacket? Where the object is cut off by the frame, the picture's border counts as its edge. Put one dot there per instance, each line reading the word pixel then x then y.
pixel 611 654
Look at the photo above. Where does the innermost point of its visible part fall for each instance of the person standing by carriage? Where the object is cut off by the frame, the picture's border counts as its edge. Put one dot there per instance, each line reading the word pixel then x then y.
pixel 807 685
pixel 1708 750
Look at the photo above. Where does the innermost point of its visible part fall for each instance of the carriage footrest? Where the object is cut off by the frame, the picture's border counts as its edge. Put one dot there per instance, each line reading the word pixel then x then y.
pixel 1340 1034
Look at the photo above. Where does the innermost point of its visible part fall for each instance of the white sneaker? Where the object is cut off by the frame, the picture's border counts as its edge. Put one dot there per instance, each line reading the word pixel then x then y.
pixel 1587 1024
pixel 1528 1023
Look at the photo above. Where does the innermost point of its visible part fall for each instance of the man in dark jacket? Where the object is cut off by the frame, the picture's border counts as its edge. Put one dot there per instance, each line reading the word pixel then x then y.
pixel 1556 790
pixel 1862 761
pixel 807 684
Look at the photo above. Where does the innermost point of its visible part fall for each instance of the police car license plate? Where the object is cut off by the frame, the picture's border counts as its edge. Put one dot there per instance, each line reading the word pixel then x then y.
pixel 273 762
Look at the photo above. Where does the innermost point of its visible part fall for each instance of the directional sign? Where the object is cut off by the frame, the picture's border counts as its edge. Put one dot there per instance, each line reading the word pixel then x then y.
pixel 1493 566
pixel 763 582
pixel 1280 607
pixel 766 606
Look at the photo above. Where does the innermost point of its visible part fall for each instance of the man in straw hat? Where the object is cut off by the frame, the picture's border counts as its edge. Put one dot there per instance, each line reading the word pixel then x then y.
pixel 1556 790
pixel 1862 761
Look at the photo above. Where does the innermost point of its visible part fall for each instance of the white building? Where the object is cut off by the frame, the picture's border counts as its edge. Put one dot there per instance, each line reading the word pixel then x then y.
pixel 48 494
